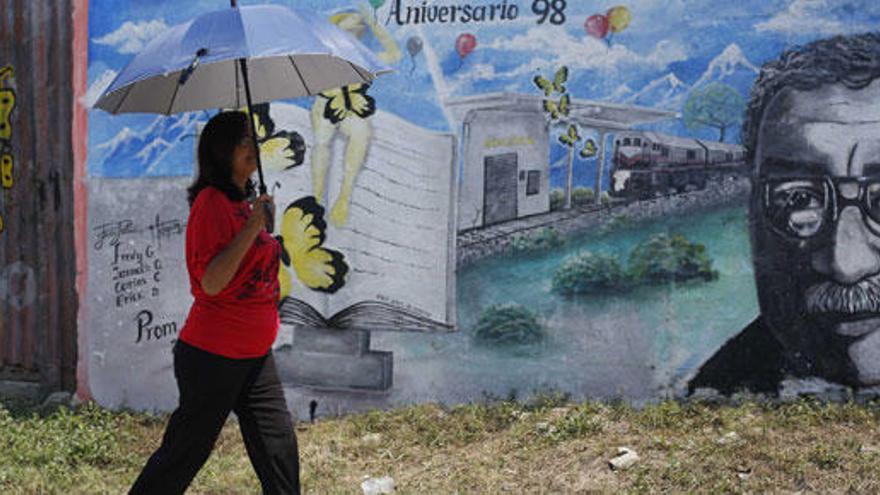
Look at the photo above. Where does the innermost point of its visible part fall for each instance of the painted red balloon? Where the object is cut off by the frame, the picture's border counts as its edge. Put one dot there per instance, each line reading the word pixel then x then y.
pixel 597 26
pixel 465 44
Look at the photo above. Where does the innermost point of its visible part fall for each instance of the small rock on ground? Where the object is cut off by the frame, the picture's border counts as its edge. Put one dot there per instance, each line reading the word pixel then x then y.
pixel 377 486
pixel 728 438
pixel 625 459
pixel 372 439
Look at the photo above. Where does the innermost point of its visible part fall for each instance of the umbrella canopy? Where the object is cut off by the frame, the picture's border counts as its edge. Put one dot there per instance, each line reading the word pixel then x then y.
pixel 289 54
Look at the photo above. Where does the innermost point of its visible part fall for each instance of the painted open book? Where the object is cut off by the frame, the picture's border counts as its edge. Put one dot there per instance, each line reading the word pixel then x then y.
pixel 366 220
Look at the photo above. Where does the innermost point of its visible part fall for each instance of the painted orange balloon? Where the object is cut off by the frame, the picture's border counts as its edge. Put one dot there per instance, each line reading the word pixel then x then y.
pixel 618 18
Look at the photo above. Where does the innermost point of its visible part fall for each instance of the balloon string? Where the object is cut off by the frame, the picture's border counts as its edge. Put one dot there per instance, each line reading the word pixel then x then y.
pixel 413 59
pixel 460 62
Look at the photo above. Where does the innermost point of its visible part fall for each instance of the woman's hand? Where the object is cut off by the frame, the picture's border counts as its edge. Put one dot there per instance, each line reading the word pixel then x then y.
pixel 262 213
pixel 222 268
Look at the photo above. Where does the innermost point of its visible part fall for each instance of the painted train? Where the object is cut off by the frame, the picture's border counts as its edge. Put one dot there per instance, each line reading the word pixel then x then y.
pixel 647 164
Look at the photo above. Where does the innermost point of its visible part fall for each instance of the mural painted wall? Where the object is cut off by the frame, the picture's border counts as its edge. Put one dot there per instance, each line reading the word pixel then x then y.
pixel 544 196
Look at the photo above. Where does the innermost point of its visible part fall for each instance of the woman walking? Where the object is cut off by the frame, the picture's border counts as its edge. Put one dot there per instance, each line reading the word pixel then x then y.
pixel 222 359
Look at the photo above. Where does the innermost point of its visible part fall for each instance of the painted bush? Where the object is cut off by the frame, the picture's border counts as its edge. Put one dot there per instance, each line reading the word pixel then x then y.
pixel 508 324
pixel 587 272
pixel 670 258
pixel 545 238
pixel 658 259
pixel 582 196
pixel 557 199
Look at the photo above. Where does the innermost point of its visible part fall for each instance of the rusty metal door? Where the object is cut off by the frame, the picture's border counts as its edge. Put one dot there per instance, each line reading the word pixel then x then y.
pixel 37 258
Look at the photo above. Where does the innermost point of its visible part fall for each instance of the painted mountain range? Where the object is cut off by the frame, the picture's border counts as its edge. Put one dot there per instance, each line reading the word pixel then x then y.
pixel 730 67
pixel 164 148
pixel 668 92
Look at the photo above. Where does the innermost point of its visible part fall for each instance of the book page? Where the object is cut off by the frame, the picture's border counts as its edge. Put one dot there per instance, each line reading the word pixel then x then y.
pixel 396 237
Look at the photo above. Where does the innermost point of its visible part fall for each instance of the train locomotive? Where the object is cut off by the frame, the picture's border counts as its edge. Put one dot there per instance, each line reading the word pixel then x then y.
pixel 649 164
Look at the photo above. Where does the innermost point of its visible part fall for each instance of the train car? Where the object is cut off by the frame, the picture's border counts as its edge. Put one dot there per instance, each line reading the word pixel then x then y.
pixel 723 153
pixel 648 164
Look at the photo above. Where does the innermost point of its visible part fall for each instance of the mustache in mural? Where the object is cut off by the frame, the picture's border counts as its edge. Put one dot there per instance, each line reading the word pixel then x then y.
pixel 830 297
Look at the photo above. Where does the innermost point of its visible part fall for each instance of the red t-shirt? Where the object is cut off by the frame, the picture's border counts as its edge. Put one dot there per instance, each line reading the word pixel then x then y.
pixel 241 321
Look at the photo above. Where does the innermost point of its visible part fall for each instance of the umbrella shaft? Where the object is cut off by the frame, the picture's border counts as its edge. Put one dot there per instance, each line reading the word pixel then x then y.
pixel 247 94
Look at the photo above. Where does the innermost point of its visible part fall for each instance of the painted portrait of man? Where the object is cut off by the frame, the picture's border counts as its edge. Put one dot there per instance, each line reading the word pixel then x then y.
pixel 812 137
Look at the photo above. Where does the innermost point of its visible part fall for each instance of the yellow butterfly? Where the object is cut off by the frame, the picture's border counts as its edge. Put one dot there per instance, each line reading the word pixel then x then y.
pixel 348 100
pixel 281 150
pixel 302 238
pixel 6 164
pixel 571 136
pixel 589 149
pixel 559 109
pixel 557 85
pixel 7 103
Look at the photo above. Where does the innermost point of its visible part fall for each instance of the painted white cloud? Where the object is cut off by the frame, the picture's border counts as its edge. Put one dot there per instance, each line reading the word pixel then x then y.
pixel 97 87
pixel 809 16
pixel 132 36
pixel 475 73
pixel 552 48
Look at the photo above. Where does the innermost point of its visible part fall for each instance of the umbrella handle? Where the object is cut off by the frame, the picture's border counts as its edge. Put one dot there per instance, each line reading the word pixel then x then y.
pixel 270 224
pixel 270 218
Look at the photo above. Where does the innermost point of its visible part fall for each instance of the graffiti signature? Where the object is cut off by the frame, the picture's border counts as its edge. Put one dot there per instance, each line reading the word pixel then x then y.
pixel 165 229
pixel 113 231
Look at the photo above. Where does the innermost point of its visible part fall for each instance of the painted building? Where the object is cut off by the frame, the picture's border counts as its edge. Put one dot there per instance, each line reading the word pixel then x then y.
pixel 505 171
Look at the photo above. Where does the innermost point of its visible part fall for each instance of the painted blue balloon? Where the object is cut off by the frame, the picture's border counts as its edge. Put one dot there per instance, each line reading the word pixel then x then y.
pixel 414 46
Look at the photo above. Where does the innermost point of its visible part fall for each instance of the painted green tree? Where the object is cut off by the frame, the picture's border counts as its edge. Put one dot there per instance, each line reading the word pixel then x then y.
pixel 715 105
pixel 557 112
pixel 570 139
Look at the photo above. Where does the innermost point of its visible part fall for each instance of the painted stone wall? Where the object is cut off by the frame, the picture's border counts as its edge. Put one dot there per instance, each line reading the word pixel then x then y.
pixel 545 196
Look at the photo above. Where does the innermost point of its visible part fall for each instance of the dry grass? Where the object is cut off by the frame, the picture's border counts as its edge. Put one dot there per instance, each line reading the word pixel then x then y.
pixel 544 447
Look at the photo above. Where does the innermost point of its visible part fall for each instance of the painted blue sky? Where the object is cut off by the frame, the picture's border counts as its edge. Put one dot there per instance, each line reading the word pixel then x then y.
pixel 667 43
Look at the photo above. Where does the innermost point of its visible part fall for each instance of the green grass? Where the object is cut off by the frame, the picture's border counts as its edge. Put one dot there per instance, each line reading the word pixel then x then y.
pixel 545 445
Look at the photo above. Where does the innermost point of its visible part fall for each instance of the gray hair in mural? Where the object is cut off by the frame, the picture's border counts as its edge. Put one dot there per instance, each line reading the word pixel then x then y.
pixel 812 137
pixel 852 62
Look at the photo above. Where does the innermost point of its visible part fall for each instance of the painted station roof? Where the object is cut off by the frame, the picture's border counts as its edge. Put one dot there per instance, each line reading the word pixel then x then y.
pixel 588 113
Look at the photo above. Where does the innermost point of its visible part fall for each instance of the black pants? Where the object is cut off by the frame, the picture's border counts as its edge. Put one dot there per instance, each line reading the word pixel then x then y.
pixel 210 387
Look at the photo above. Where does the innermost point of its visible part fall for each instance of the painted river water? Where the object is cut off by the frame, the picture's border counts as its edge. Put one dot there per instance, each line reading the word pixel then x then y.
pixel 637 346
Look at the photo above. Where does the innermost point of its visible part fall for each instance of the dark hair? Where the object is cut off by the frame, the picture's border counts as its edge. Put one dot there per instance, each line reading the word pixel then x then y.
pixel 216 144
pixel 853 61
